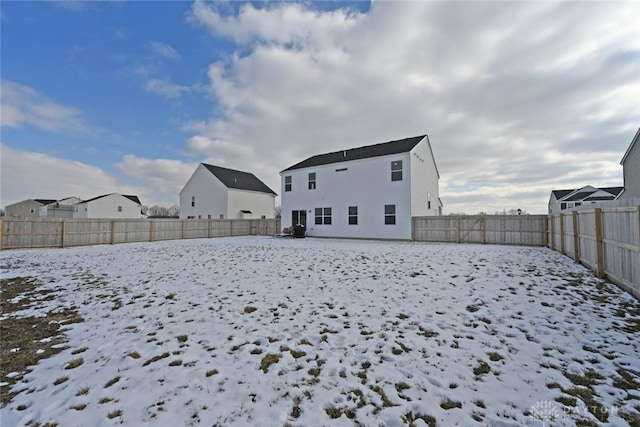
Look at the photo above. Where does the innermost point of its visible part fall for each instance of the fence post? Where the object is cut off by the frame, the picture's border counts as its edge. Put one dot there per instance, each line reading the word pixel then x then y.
pixel 576 237
pixel 230 227
pixel 562 251
pixel 64 234
pixel 1 230
pixel 182 228
pixel 545 236
pixel 599 243
pixel 151 230
pixel 552 237
pixel 113 231
pixel 457 228
pixel 209 229
pixel 482 229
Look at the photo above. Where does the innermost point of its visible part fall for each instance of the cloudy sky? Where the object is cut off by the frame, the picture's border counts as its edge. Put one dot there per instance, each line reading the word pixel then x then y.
pixel 518 98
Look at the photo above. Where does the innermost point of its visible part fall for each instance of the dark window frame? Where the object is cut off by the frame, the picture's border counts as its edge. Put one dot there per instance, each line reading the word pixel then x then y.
pixel 312 180
pixel 389 214
pixel 287 183
pixel 322 216
pixel 353 215
pixel 396 170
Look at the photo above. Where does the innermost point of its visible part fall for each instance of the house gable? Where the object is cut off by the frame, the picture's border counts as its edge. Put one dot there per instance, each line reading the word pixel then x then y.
pixel 238 180
pixel 364 192
pixel 365 152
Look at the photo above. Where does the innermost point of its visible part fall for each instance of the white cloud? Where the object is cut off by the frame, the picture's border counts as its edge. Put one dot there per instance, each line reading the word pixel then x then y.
pixel 22 177
pixel 518 98
pixel 165 177
pixel 165 88
pixel 22 105
pixel 158 180
pixel 165 50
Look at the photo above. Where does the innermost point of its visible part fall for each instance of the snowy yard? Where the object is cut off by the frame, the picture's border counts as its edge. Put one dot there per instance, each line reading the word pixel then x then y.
pixel 272 332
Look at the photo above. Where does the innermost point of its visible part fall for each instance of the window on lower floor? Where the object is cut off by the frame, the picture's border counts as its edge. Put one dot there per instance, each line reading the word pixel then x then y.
pixel 323 216
pixel 353 215
pixel 389 214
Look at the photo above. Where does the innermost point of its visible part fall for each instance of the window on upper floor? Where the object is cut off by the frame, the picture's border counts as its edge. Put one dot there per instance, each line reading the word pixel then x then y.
pixel 563 205
pixel 353 215
pixel 323 216
pixel 193 201
pixel 312 181
pixel 119 208
pixel 396 170
pixel 287 183
pixel 389 214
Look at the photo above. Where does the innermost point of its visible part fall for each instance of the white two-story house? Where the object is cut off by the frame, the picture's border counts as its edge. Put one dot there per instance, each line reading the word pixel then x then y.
pixel 631 169
pixel 366 192
pixel 112 206
pixel 214 192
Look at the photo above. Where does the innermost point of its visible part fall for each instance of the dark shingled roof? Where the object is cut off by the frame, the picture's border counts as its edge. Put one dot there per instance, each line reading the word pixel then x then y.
pixel 239 180
pixel 612 190
pixel 45 201
pixel 561 193
pixel 579 196
pixel 132 198
pixel 377 150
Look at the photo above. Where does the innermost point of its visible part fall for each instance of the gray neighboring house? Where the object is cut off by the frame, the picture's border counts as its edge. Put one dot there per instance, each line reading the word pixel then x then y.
pixel 62 208
pixel 29 208
pixel 587 195
pixel 631 169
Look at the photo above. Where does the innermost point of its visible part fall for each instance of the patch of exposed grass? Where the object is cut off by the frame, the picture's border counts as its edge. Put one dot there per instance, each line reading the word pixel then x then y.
pixel 567 401
pixel 74 363
pixel 111 382
pixel 385 399
pixel 27 333
pixel 256 350
pixel 268 360
pixel 156 358
pixel 495 356
pixel 482 368
pixel 60 380
pixel 79 407
pixel 82 391
pixel 249 309
pixel 134 355
pixel 450 404
pixel 79 350
pixel 401 386
pixel 297 353
pixel 211 372
pixel 410 418
pixel 176 362
pixel 114 414
pixel 182 338
pixel 104 400
pixel 427 333
pixel 480 404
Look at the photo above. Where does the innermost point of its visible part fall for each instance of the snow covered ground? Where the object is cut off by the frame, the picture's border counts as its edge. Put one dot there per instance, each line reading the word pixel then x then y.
pixel 264 331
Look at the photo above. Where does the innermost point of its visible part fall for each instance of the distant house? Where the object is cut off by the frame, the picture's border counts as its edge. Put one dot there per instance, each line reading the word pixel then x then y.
pixel 631 169
pixel 62 208
pixel 112 206
pixel 214 192
pixel 365 192
pixel 588 195
pixel 29 208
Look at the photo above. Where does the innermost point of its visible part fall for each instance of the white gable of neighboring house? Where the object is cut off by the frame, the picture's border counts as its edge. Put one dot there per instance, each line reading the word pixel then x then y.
pixel 631 169
pixel 109 206
pixel 365 192
pixel 214 192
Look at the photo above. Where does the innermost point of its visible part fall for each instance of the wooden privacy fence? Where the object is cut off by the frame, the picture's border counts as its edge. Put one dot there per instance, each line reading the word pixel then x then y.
pixel 496 229
pixel 61 233
pixel 606 240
